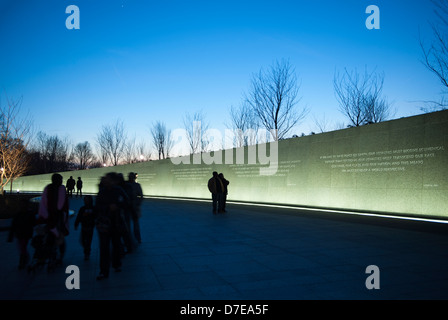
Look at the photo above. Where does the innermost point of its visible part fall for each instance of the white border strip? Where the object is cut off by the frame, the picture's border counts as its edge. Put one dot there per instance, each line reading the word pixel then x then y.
pixel 312 209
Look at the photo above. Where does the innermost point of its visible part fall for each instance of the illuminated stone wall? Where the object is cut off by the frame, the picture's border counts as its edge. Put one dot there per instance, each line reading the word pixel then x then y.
pixel 398 166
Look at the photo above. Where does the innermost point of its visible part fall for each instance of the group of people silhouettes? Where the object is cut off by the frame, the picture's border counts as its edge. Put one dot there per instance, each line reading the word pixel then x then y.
pixel 117 207
pixel 53 219
pixel 70 186
pixel 115 213
pixel 218 187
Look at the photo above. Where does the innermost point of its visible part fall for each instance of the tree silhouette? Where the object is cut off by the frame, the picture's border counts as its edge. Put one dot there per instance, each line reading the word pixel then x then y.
pixel 196 127
pixel 83 155
pixel 14 138
pixel 161 139
pixel 273 97
pixel 359 97
pixel 435 56
pixel 111 141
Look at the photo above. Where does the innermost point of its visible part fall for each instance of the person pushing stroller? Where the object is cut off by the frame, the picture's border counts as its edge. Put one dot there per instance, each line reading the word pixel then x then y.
pixel 53 217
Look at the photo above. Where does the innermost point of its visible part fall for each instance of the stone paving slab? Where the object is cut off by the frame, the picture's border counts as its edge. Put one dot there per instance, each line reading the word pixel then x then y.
pixel 249 253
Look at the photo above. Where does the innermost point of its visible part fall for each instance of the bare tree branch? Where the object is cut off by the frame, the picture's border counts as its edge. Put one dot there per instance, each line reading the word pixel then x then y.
pixel 196 129
pixel 83 155
pixel 360 97
pixel 54 152
pixel 435 56
pixel 161 139
pixel 112 141
pixel 273 97
pixel 322 123
pixel 129 151
pixel 143 153
pixel 14 139
pixel 244 124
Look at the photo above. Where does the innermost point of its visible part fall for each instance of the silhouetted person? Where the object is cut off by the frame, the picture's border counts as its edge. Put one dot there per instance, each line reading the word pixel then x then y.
pixel 127 245
pixel 22 229
pixel 216 188
pixel 53 211
pixel 135 194
pixel 110 201
pixel 225 183
pixel 86 217
pixel 79 187
pixel 70 185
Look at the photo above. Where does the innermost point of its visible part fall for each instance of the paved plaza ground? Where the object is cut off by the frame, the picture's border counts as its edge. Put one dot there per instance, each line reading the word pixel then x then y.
pixel 249 253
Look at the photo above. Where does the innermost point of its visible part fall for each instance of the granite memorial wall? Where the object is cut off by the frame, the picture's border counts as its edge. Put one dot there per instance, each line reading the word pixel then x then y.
pixel 398 166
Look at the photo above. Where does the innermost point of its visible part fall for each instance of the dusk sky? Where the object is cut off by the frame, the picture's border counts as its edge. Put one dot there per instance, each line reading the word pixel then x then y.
pixel 145 61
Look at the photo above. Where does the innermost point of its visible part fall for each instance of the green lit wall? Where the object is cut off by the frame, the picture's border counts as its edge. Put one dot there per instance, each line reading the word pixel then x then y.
pixel 398 166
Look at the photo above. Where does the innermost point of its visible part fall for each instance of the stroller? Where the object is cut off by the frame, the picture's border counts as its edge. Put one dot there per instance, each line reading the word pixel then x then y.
pixel 45 249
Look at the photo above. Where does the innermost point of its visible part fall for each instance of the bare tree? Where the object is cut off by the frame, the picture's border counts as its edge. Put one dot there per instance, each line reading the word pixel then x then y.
pixel 102 154
pixel 432 106
pixel 54 152
pixel 129 151
pixel 244 124
pixel 143 153
pixel 83 155
pixel 377 109
pixel 161 139
pixel 196 129
pixel 360 98
pixel 435 56
pixel 111 142
pixel 273 97
pixel 14 138
pixel 321 123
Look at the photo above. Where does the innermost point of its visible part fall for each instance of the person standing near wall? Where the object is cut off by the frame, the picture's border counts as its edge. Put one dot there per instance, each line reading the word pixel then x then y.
pixel 225 184
pixel 70 185
pixel 79 187
pixel 135 194
pixel 216 188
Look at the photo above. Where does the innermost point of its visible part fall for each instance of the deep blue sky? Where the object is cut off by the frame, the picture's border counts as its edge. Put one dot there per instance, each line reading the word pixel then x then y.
pixel 143 61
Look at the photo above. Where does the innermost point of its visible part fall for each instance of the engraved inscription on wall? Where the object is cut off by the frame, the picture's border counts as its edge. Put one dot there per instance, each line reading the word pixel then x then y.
pixel 253 170
pixel 382 161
